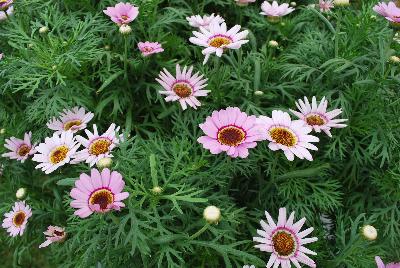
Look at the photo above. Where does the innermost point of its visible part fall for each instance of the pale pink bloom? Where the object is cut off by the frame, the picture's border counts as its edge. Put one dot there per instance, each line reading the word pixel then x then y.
pixel 122 13
pixel 275 10
pixel 53 234
pixel 97 146
pixel 15 221
pixel 232 131
pixel 218 39
pixel 289 136
pixel 55 152
pixel 325 5
pixel 183 87
pixel 19 149
pixel 285 241
pixel 9 11
pixel 316 116
pixel 73 120
pixel 205 21
pixel 1 56
pixel 148 48
pixel 99 192
pixel 390 11
pixel 380 263
pixel 4 4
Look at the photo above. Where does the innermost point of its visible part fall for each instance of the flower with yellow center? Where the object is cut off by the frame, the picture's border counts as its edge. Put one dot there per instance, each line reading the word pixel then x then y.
pixel 74 120
pixel 15 221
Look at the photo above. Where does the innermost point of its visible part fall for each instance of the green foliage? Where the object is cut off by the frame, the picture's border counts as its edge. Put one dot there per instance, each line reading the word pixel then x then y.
pixel 353 180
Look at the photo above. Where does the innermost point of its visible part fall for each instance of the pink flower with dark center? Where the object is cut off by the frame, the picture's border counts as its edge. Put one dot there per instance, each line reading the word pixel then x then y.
pixel 99 192
pixel 390 11
pixel 122 13
pixel 53 234
pixel 205 21
pixel 73 120
pixel 19 149
pixel 284 241
pixel 326 5
pixel 148 48
pixel 15 221
pixel 4 4
pixel 217 39
pixel 183 87
pixel 380 263
pixel 232 131
pixel 289 136
pixel 316 116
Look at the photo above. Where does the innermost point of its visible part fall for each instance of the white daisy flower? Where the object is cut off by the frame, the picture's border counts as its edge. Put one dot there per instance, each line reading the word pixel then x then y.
pixel 73 120
pixel 205 21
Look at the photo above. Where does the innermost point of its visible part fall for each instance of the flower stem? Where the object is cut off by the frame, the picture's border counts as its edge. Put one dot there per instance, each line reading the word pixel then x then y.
pixel 125 57
pixel 199 232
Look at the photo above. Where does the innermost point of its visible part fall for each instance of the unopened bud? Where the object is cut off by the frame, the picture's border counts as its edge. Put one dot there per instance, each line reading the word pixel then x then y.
pixel 212 214
pixel 104 163
pixel 369 232
pixel 21 193
pixel 273 43
pixel 43 30
pixel 125 29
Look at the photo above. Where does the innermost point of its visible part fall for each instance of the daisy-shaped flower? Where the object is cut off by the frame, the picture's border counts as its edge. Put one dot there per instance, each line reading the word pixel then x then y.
pixel 287 135
pixel 275 11
pixel 53 234
pixel 390 11
pixel 285 241
pixel 99 192
pixel 231 131
pixel 55 152
pixel 184 87
pixel 148 48
pixel 6 13
pixel 380 263
pixel 15 221
pixel 217 39
pixel 97 146
pixel 244 2
pixel 73 120
pixel 19 149
pixel 205 21
pixel 5 4
pixel 316 116
pixel 122 13
pixel 326 5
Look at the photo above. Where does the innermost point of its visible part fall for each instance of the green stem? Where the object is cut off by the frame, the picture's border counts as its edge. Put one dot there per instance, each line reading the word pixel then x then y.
pixel 125 57
pixel 199 232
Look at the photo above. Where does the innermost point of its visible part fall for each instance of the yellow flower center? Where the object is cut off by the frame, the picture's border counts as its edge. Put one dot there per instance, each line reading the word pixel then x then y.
pixel 99 146
pixel 283 136
pixel 183 90
pixel 59 154
pixel 315 120
pixel 284 243
pixel 68 125
pixel 231 136
pixel 102 197
pixel 219 41
pixel 19 218
pixel 23 150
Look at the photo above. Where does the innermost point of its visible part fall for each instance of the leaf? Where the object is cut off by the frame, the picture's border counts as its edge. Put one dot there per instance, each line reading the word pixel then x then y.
pixel 67 182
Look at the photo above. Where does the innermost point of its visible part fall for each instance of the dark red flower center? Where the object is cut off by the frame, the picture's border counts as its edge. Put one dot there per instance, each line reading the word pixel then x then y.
pixel 231 135
pixel 23 150
pixel 19 218
pixel 284 243
pixel 183 90
pixel 102 197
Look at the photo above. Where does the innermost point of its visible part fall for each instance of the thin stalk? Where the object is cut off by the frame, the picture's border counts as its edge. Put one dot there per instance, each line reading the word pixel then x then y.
pixel 199 232
pixel 125 57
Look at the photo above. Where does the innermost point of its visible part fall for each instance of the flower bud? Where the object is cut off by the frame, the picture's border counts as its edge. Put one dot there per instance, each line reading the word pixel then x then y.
pixel 212 214
pixel 157 190
pixel 104 163
pixel 342 3
pixel 258 93
pixel 369 232
pixel 293 4
pixel 21 193
pixel 107 47
pixel 394 59
pixel 2 131
pixel 273 43
pixel 43 30
pixel 125 29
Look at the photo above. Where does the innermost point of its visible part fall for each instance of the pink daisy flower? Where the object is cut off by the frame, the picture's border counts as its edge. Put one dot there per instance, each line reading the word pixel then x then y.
pixel 184 87
pixel 4 4
pixel 19 149
pixel 97 146
pixel 289 136
pixel 15 221
pixel 73 120
pixel 148 48
pixel 53 234
pixel 99 192
pixel 390 11
pixel 274 11
pixel 55 152
pixel 231 131
pixel 317 117
pixel 205 21
pixel 6 13
pixel 217 39
pixel 380 263
pixel 244 2
pixel 122 13
pixel 325 5
pixel 285 241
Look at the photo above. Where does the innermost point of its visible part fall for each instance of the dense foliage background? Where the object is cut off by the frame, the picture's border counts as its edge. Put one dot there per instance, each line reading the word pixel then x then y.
pixel 353 180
